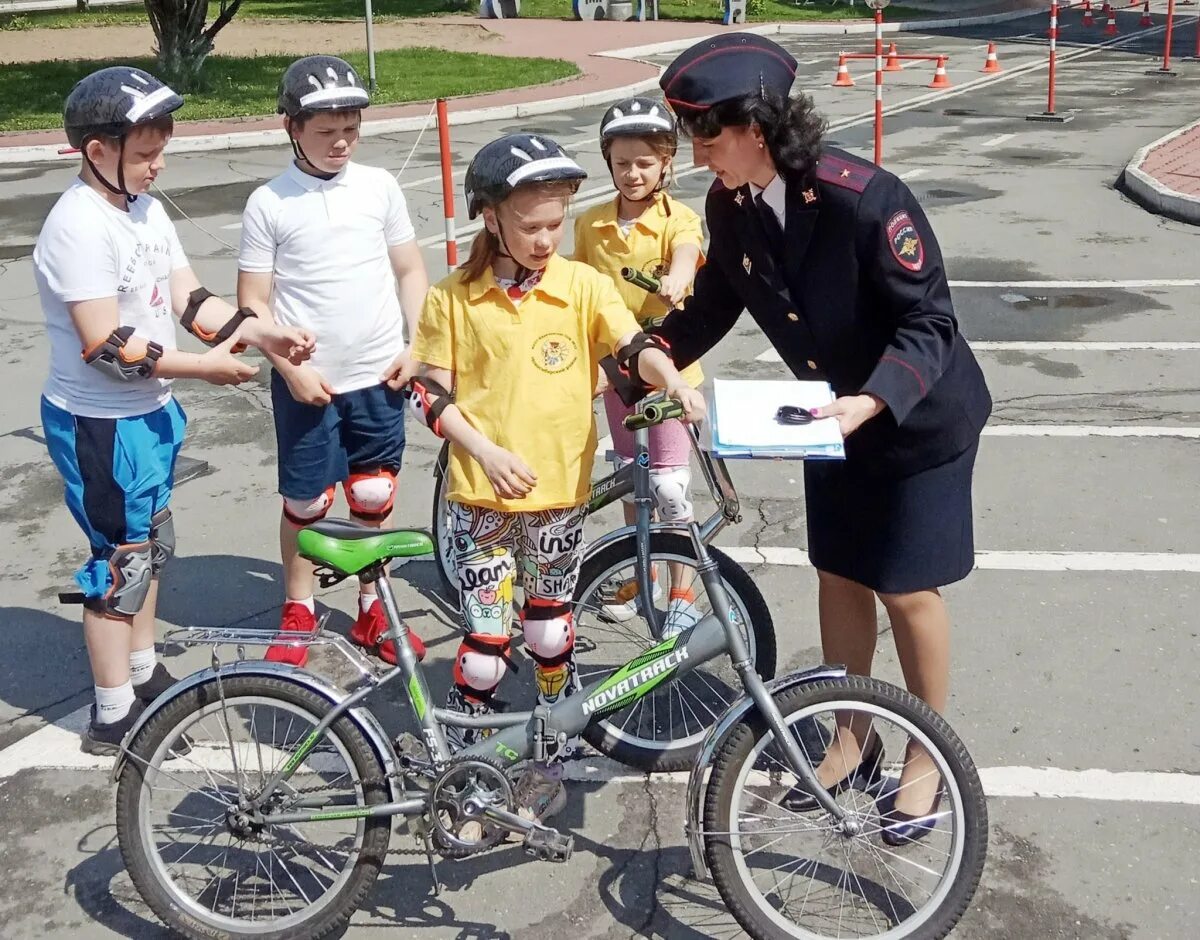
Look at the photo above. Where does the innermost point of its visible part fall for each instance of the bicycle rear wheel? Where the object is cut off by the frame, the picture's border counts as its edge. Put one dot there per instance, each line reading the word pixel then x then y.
pixel 200 864
pixel 662 731
pixel 440 526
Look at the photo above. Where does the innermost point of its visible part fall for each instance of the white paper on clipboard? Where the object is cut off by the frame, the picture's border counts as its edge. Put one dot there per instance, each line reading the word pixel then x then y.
pixel 744 422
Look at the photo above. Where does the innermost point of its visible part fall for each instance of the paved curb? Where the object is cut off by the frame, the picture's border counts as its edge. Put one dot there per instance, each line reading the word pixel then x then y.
pixel 236 140
pixel 1155 196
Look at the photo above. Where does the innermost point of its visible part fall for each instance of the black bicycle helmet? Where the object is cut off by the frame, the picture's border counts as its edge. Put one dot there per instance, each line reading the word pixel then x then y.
pixel 512 161
pixel 636 117
pixel 110 103
pixel 320 83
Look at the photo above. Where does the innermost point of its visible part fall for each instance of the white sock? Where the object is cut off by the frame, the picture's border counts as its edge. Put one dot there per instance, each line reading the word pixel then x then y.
pixel 141 665
pixel 113 704
pixel 366 600
pixel 306 601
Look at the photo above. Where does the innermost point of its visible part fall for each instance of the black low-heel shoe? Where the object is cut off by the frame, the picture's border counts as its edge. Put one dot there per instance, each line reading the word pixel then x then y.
pixel 902 829
pixel 866 776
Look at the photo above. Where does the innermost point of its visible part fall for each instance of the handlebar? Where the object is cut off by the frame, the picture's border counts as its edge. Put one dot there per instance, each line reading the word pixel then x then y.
pixel 638 279
pixel 654 413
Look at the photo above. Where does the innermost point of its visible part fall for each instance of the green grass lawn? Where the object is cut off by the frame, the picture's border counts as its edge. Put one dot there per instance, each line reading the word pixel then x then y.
pixel 31 94
pixel 399 9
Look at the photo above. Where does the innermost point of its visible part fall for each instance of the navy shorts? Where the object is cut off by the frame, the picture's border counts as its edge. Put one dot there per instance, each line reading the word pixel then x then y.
pixel 321 445
pixel 117 474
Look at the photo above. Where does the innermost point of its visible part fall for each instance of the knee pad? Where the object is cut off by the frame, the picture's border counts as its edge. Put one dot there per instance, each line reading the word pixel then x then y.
pixel 302 512
pixel 371 494
pixel 162 539
pixel 549 629
pixel 131 569
pixel 670 488
pixel 481 662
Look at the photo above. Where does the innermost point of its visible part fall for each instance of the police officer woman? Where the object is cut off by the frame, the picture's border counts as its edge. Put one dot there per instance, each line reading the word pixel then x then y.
pixel 837 264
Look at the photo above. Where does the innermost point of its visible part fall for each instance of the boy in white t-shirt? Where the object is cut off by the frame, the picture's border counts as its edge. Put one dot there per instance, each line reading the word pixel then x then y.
pixel 328 246
pixel 110 273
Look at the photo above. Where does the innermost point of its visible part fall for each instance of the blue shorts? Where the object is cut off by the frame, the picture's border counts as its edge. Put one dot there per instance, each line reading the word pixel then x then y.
pixel 118 473
pixel 321 445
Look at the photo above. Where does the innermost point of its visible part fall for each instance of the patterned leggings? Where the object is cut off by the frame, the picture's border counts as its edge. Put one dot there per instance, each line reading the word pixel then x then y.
pixel 491 547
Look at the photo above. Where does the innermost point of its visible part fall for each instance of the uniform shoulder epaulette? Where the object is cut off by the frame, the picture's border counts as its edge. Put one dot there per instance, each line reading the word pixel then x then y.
pixel 839 172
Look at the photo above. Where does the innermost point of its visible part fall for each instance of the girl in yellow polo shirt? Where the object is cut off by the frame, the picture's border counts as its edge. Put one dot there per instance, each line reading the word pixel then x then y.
pixel 508 348
pixel 645 229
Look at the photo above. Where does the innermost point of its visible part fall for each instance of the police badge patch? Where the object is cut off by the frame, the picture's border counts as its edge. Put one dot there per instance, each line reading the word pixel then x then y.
pixel 906 243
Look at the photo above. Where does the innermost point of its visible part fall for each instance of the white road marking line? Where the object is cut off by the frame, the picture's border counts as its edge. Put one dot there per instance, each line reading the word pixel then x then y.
pixel 913 174
pixel 1089 430
pixel 430 179
pixel 789 557
pixel 772 355
pixel 232 225
pixel 605 443
pixel 56 747
pixel 995 141
pixel 1134 284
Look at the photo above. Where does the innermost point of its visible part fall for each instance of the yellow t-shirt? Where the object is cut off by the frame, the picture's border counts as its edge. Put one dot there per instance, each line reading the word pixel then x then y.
pixel 649 247
pixel 524 375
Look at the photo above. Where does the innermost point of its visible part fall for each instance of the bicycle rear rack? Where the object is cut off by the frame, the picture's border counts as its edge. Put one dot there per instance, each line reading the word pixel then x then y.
pixel 242 637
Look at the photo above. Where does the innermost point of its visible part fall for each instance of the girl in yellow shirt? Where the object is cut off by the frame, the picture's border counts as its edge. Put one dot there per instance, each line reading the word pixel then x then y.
pixel 645 229
pixel 507 351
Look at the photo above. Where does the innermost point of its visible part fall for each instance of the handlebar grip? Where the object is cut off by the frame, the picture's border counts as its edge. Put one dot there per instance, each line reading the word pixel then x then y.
pixel 638 279
pixel 654 413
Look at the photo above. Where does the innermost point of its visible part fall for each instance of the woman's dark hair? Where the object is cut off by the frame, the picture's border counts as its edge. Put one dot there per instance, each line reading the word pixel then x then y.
pixel 791 127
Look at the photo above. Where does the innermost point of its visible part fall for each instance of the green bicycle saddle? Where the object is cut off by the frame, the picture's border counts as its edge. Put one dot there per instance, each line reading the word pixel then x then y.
pixel 349 547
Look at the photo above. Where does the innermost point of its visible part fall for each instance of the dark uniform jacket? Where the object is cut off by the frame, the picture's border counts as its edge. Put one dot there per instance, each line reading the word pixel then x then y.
pixel 856 295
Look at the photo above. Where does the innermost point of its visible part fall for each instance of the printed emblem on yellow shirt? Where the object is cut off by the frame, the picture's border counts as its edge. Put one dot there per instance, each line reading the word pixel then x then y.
pixel 554 352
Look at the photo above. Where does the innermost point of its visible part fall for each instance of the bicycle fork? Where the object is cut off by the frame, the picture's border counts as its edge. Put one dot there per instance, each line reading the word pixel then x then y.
pixel 757 689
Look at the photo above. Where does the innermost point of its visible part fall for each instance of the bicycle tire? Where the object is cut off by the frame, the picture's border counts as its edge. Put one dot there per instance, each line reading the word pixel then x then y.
pixel 336 912
pixel 740 744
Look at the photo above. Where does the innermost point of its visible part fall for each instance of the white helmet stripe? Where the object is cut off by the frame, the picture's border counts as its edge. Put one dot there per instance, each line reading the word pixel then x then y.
pixel 351 94
pixel 143 103
pixel 542 166
pixel 655 121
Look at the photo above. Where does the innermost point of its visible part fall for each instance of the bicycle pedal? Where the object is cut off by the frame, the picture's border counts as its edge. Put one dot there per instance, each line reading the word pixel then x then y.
pixel 549 845
pixel 410 751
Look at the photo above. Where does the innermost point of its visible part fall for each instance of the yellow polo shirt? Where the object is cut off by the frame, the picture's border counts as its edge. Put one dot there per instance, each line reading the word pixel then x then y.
pixel 652 241
pixel 524 375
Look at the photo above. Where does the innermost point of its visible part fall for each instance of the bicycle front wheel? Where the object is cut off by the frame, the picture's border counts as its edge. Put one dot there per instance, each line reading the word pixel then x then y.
pixel 199 862
pixel 786 869
pixel 443 541
pixel 663 730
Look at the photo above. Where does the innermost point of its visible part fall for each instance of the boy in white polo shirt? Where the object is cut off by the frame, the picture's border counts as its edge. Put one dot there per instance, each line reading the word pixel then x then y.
pixel 328 246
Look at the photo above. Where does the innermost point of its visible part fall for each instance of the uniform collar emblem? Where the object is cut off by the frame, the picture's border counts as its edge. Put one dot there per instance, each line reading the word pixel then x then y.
pixel 809 197
pixel 746 263
pixel 739 198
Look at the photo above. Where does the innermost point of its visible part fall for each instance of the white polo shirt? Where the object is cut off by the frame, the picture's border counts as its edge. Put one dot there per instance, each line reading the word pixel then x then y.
pixel 326 243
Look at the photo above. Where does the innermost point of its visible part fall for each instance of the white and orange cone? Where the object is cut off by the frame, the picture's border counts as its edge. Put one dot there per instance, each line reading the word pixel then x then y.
pixel 992 65
pixel 940 78
pixel 843 79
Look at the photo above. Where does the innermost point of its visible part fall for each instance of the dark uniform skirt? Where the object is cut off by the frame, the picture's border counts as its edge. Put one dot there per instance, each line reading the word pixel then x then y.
pixel 895 536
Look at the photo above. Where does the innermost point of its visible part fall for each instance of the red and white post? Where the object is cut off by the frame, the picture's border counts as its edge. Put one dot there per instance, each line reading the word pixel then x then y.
pixel 443 121
pixel 1050 114
pixel 1165 70
pixel 879 86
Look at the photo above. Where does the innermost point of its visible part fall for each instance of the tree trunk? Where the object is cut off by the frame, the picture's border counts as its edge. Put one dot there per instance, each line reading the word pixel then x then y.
pixel 182 42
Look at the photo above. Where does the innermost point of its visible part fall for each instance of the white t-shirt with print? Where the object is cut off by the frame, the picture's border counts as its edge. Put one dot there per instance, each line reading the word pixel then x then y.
pixel 326 244
pixel 89 249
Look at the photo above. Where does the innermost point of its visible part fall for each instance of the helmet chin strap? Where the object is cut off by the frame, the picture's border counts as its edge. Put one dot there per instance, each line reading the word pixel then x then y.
pixel 522 271
pixel 300 155
pixel 119 189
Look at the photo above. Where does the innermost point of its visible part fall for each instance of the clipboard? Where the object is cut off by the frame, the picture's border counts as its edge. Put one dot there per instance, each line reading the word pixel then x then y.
pixel 742 423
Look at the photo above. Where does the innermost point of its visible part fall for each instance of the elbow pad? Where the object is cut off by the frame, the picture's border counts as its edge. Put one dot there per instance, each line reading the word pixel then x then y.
pixel 111 357
pixel 430 399
pixel 188 321
pixel 628 357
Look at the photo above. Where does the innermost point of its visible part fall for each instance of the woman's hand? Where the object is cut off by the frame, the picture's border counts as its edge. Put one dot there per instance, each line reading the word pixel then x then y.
pixel 510 476
pixel 694 408
pixel 851 411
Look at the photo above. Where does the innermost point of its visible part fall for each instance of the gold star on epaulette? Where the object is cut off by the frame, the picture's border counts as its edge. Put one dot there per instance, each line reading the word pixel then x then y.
pixel 846 173
pixel 809 196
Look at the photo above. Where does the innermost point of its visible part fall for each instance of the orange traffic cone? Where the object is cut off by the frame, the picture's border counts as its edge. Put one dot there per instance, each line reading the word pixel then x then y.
pixel 1146 20
pixel 1088 20
pixel 843 79
pixel 1111 28
pixel 940 78
pixel 893 60
pixel 992 64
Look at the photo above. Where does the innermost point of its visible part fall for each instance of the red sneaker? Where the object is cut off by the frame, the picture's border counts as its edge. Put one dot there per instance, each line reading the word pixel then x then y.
pixel 371 625
pixel 296 619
